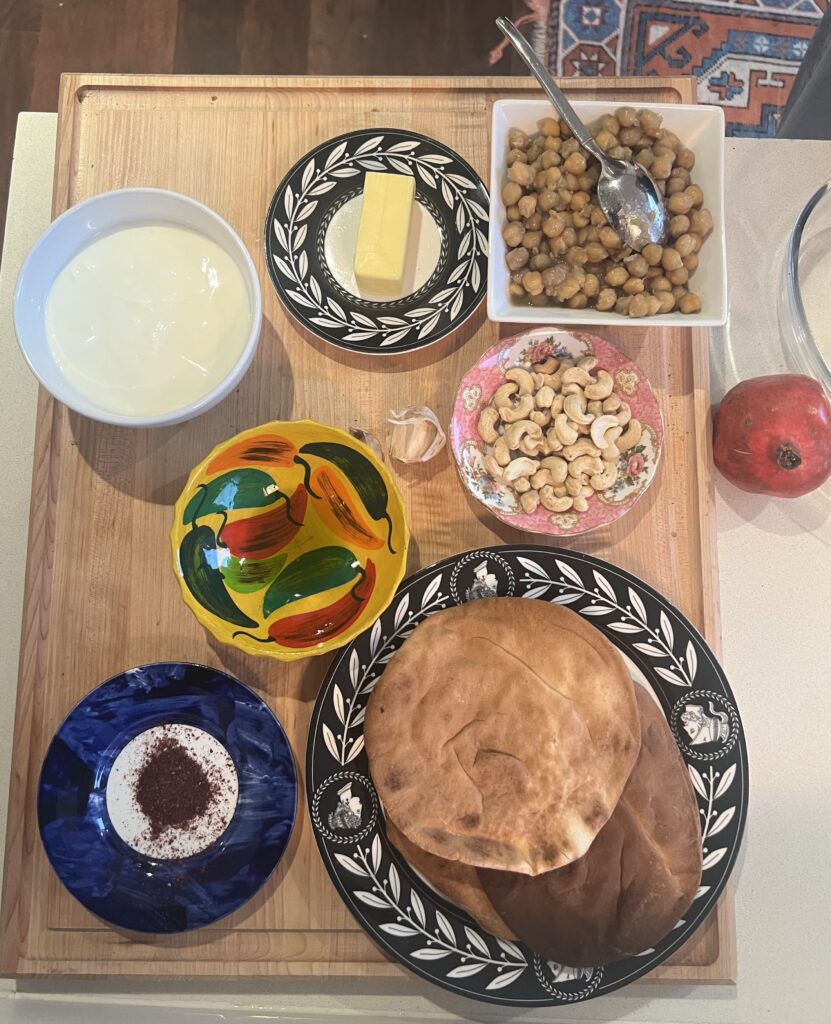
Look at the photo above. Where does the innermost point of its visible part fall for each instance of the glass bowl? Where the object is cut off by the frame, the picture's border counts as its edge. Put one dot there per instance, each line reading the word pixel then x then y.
pixel 804 294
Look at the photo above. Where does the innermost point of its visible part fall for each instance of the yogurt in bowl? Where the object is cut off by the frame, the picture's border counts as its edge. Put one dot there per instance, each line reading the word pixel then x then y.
pixel 139 307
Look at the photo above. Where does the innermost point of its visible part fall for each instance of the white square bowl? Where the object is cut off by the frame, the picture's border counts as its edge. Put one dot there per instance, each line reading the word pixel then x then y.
pixel 701 128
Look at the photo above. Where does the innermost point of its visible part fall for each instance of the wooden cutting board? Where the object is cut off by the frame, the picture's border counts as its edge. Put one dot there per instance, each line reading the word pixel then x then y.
pixel 100 594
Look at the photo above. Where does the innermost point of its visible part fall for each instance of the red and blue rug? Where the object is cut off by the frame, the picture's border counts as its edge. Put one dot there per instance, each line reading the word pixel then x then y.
pixel 744 53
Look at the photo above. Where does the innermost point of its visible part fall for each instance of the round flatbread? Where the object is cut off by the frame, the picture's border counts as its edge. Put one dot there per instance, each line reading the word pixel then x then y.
pixel 639 877
pixel 458 882
pixel 502 734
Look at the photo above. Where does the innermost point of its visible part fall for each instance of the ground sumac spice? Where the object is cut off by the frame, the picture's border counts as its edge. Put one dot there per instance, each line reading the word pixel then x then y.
pixel 172 789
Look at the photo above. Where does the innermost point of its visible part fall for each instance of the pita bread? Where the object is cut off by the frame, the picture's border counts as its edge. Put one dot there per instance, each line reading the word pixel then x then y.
pixel 502 734
pixel 638 879
pixel 458 882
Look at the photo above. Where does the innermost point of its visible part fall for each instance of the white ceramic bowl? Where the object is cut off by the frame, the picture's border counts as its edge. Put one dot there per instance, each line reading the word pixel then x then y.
pixel 699 127
pixel 76 229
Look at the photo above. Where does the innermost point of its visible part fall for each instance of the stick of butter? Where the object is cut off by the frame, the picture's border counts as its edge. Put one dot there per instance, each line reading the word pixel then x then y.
pixel 383 233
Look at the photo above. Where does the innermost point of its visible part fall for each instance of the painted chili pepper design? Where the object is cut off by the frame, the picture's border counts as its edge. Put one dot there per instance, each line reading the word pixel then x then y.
pixel 240 488
pixel 199 565
pixel 263 450
pixel 247 575
pixel 267 533
pixel 311 573
pixel 338 513
pixel 312 628
pixel 361 473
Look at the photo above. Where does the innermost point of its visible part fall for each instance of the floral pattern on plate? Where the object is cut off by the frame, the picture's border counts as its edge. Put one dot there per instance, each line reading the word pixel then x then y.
pixel 636 468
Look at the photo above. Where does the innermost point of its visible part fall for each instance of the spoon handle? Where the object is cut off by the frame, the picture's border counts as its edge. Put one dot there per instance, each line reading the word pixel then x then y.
pixel 553 91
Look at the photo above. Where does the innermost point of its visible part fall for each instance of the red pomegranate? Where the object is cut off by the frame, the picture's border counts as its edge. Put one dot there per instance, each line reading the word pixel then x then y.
pixel 772 435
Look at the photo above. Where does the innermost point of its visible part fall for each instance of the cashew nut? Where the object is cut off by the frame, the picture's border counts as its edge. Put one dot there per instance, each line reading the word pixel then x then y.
pixel 488 418
pixel 504 395
pixel 548 365
pixel 595 407
pixel 556 380
pixel 557 405
pixel 520 467
pixel 531 446
pixel 529 501
pixel 559 490
pixel 611 404
pixel 501 451
pixel 587 362
pixel 542 417
pixel 573 486
pixel 492 468
pixel 566 364
pixel 521 411
pixel 574 407
pixel 586 491
pixel 541 380
pixel 557 467
pixel 602 388
pixel 545 396
pixel 631 436
pixel 580 504
pixel 599 428
pixel 552 442
pixel 624 414
pixel 582 446
pixel 554 504
pixel 522 378
pixel 602 481
pixel 586 464
pixel 577 375
pixel 516 431
pixel 566 434
pixel 522 485
pixel 542 478
pixel 572 389
pixel 611 453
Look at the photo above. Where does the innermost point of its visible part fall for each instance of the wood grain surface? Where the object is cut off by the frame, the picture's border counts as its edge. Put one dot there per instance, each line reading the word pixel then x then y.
pixel 100 592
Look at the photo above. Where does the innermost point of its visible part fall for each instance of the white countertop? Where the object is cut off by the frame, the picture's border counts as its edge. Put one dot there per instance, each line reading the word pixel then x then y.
pixel 775 580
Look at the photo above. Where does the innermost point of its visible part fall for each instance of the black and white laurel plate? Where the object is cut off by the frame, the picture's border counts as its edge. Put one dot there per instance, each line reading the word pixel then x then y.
pixel 393 903
pixel 305 208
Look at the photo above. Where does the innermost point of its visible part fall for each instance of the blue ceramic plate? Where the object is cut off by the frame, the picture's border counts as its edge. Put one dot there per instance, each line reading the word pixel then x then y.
pixel 106 875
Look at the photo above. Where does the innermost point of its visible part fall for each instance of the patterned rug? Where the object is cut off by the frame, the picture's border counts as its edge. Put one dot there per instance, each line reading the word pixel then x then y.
pixel 744 53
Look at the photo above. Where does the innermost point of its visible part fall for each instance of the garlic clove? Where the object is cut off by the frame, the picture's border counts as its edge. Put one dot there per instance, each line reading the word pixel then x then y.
pixel 370 440
pixel 416 434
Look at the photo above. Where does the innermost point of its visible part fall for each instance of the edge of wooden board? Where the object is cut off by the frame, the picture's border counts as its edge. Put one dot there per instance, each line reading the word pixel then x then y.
pixel 13 961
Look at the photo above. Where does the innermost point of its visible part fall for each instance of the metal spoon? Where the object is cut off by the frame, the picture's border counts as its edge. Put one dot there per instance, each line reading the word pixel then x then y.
pixel 627 192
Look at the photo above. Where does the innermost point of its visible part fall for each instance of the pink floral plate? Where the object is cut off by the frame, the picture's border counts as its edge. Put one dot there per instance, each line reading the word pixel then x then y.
pixel 636 467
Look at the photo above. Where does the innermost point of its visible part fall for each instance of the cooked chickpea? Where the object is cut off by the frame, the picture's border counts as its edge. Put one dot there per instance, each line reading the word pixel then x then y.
pixel 652 254
pixel 637 265
pixel 683 245
pixel 701 222
pixel 671 260
pixel 561 249
pixel 679 225
pixel 516 258
pixel 575 163
pixel 511 193
pixel 606 299
pixel 521 173
pixel 512 234
pixel 532 282
pixel 639 306
pixel 695 193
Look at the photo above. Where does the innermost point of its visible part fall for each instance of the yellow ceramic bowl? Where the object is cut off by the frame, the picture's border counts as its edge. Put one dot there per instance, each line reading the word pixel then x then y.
pixel 289 540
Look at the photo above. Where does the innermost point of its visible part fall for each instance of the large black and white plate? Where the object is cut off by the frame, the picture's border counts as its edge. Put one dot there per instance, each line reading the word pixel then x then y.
pixel 394 904
pixel 311 226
